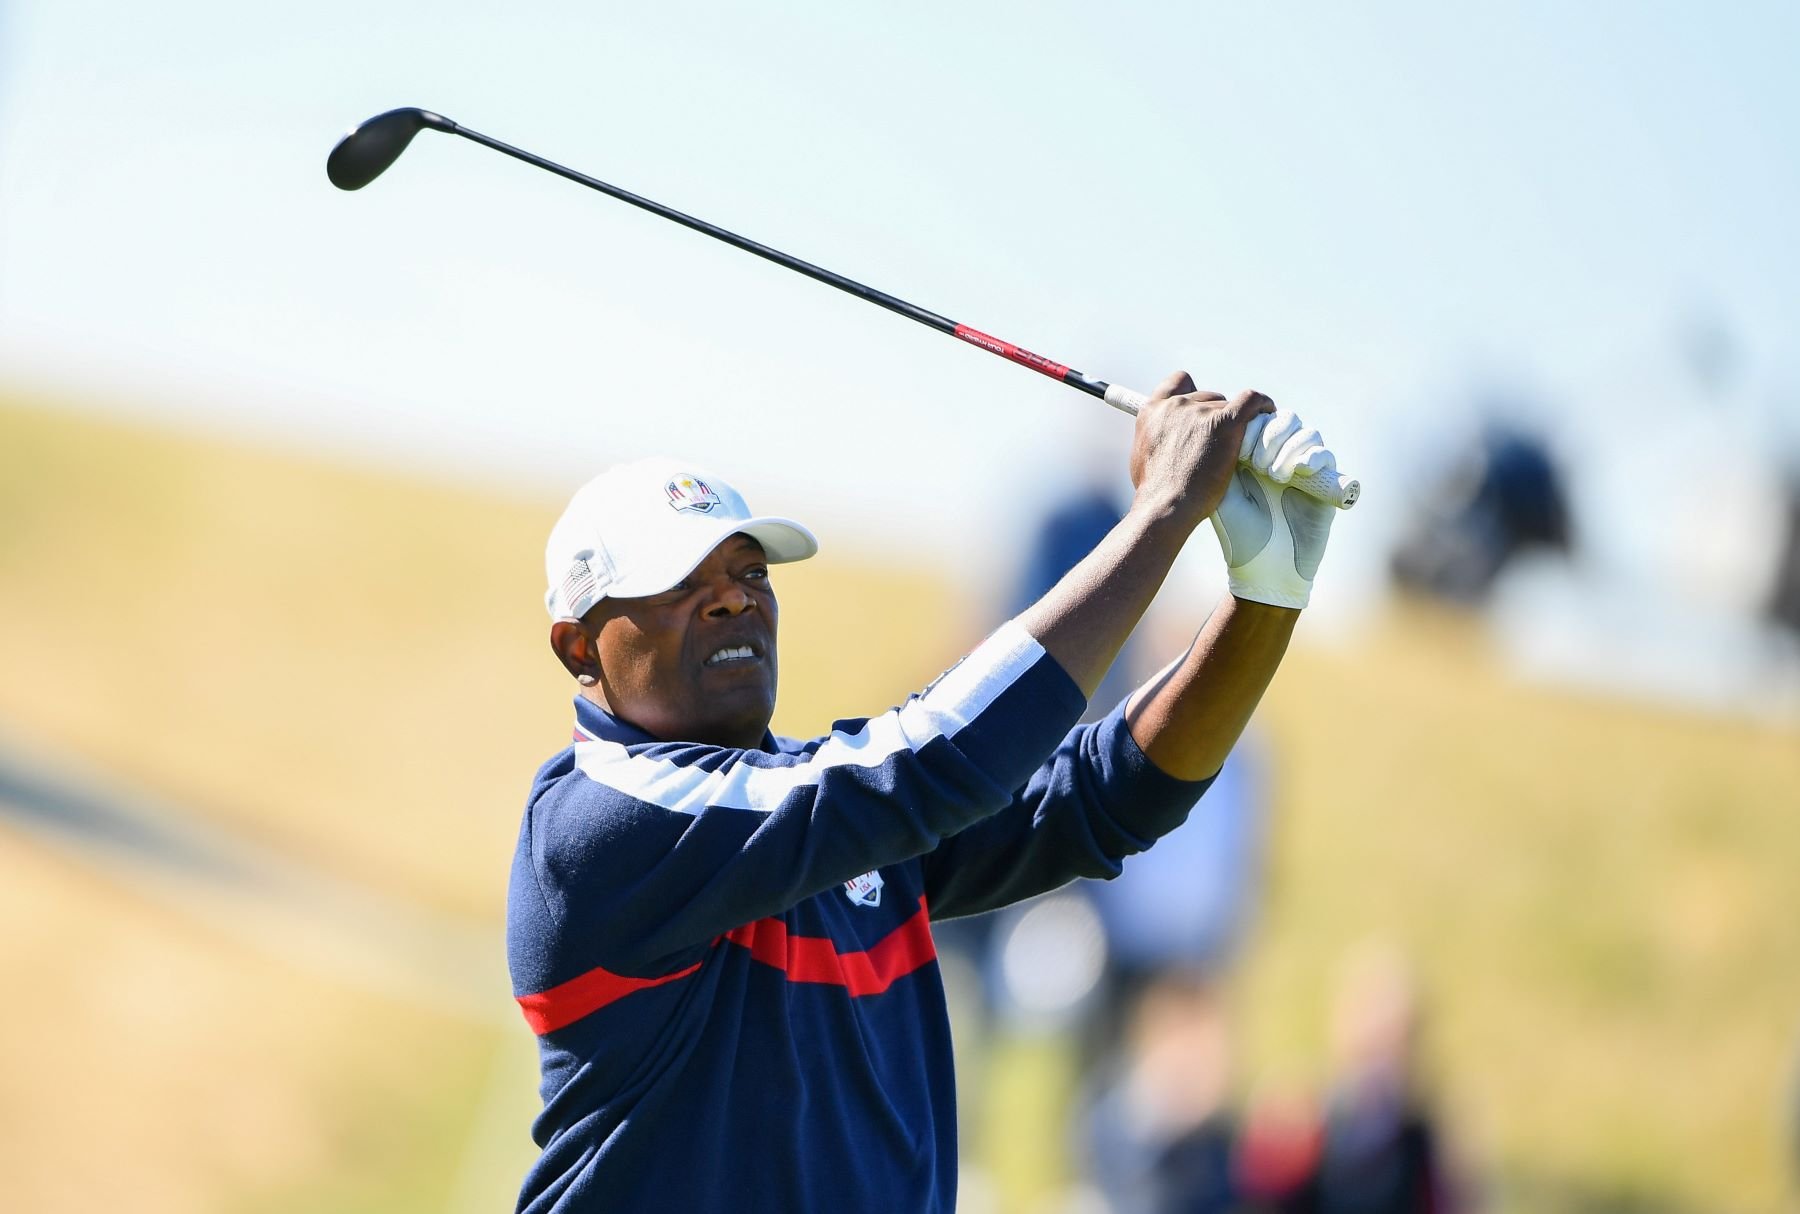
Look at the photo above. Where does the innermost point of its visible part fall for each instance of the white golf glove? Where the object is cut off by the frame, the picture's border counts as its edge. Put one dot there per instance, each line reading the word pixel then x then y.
pixel 1272 534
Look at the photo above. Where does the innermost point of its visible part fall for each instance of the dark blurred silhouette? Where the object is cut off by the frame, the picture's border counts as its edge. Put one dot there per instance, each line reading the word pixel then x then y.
pixel 1504 496
pixel 1069 531
pixel 1381 1151
pixel 1184 902
pixel 1784 596
pixel 1147 1014
pixel 1793 1125
pixel 1187 903
pixel 1160 1138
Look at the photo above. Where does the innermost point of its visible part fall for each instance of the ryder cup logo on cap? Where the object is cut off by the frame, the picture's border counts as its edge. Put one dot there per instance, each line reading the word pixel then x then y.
pixel 691 493
pixel 637 529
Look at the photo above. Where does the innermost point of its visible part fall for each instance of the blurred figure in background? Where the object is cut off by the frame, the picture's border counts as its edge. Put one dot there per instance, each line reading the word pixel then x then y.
pixel 1375 1147
pixel 977 944
pixel 1190 901
pixel 1602 544
pixel 1503 497
pixel 1188 907
pixel 1160 1138
pixel 1125 973
pixel 1784 593
pixel 1792 1113
pixel 1276 1164
pixel 1068 532
pixel 1382 1152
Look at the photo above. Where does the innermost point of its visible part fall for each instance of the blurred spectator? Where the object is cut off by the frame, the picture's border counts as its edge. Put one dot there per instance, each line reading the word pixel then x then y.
pixel 1793 1126
pixel 1381 1153
pixel 1784 595
pixel 1187 901
pixel 1164 1140
pixel 1069 532
pixel 1159 1137
pixel 1277 1159
pixel 1123 970
pixel 1184 902
pixel 1506 495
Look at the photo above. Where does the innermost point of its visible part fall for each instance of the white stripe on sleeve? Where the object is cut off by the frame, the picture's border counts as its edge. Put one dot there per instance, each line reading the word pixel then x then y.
pixel 959 696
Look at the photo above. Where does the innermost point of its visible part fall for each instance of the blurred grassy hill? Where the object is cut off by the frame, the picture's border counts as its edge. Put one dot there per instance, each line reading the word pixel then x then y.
pixel 348 666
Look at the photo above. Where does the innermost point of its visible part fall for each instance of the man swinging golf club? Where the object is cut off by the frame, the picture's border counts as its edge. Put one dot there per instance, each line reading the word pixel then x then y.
pixel 722 938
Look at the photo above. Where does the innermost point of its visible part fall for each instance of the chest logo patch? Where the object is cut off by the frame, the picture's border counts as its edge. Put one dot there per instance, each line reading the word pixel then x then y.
pixel 864 890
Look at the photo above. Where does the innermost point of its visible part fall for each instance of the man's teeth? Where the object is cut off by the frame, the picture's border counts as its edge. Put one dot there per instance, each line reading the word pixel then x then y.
pixel 727 655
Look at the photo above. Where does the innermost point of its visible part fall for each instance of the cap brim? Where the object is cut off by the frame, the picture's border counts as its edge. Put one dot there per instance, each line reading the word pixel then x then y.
pixel 782 539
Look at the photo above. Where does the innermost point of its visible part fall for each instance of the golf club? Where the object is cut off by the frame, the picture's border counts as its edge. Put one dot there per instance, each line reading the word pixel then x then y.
pixel 366 152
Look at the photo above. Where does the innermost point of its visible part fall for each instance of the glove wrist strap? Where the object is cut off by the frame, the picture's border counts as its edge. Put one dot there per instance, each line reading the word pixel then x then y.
pixel 1286 597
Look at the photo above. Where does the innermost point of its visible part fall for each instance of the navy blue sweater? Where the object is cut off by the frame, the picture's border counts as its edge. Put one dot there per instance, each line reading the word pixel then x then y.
pixel 727 957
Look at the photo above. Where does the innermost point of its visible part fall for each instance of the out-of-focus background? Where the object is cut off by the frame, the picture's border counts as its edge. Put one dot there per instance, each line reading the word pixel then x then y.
pixel 1494 909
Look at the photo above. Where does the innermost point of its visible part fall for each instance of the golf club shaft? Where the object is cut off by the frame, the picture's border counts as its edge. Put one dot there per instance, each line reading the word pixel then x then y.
pixel 942 324
pixel 1333 486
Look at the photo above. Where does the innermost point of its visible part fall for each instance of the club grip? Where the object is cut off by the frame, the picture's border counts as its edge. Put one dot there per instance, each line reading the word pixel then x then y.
pixel 1333 486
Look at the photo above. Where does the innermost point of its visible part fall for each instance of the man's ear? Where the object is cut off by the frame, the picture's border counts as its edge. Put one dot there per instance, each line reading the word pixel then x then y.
pixel 575 649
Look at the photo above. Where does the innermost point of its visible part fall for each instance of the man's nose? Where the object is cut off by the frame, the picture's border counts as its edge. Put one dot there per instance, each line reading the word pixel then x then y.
pixel 732 600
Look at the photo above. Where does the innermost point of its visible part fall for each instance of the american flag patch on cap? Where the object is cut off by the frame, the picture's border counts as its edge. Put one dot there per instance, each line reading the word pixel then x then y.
pixel 579 589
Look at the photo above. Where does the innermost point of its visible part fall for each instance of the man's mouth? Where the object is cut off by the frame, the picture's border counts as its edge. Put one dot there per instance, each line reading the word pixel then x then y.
pixel 732 653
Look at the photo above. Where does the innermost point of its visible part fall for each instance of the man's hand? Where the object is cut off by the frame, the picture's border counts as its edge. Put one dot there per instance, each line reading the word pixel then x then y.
pixel 1272 534
pixel 1185 447
pixel 1182 455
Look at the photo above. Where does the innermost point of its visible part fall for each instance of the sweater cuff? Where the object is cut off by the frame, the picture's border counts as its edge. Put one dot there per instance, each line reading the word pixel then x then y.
pixel 1145 799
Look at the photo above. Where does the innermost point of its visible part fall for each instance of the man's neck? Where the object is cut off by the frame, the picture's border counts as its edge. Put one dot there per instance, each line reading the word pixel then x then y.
pixel 748 737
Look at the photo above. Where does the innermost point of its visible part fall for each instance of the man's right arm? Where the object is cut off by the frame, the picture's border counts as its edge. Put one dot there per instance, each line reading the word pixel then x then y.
pixel 1183 453
pixel 643 851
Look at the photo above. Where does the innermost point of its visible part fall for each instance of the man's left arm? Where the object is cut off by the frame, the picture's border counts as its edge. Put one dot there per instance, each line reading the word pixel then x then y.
pixel 1189 715
pixel 1273 536
pixel 1115 787
pixel 1094 801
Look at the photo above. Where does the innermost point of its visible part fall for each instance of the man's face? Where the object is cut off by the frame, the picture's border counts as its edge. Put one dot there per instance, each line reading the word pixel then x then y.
pixel 695 663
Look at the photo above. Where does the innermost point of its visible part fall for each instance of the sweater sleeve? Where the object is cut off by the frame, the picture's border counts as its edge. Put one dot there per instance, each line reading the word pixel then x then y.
pixel 1097 799
pixel 641 852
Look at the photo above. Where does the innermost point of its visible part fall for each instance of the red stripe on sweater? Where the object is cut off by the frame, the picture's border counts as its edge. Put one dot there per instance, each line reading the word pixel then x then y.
pixel 815 959
pixel 907 948
pixel 567 1002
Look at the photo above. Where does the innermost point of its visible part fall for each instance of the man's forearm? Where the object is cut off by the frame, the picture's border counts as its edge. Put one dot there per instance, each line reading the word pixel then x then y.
pixel 1183 450
pixel 1188 717
pixel 1084 620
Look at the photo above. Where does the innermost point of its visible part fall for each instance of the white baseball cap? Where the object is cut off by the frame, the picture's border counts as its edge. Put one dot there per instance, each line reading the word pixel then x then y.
pixel 639 528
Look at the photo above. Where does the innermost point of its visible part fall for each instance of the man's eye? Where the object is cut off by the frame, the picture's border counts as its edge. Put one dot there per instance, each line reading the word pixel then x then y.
pixel 757 574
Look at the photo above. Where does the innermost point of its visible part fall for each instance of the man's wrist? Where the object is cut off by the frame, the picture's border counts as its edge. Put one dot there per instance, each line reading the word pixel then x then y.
pixel 1284 598
pixel 1159 525
pixel 1175 518
pixel 1255 607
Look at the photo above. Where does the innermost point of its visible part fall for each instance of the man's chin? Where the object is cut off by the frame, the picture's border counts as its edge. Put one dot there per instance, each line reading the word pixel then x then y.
pixel 740 716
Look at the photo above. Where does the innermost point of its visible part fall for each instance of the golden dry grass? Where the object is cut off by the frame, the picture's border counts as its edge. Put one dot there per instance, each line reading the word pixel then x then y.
pixel 349 666
pixel 149 1063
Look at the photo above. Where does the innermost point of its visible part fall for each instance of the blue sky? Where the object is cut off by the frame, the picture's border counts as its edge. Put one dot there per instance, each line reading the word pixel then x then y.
pixel 1366 211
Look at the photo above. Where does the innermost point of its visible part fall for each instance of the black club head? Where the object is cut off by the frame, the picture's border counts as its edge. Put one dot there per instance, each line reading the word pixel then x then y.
pixel 365 153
